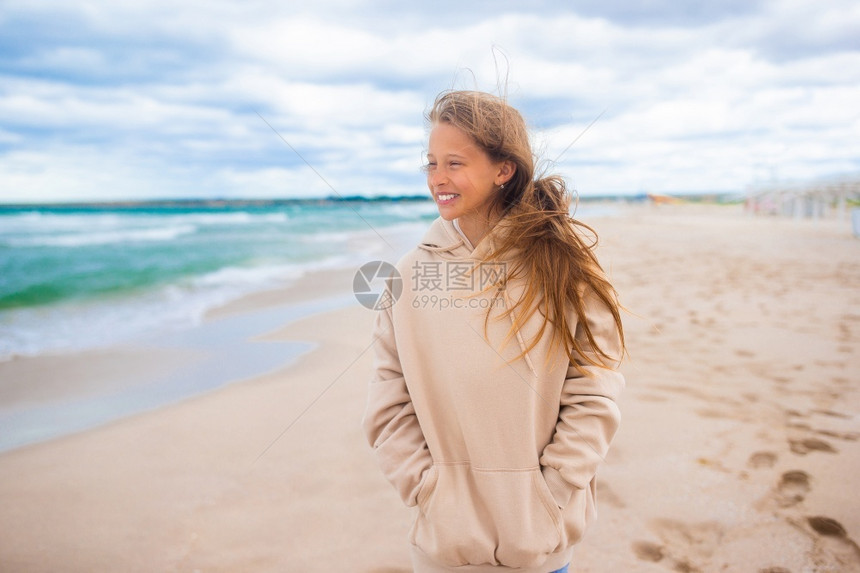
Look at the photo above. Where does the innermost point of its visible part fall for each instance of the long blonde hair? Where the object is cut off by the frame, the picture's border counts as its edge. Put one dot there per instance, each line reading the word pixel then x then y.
pixel 544 242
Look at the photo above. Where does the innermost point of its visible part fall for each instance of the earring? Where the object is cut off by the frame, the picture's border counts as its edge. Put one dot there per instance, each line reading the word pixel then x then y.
pixel 502 187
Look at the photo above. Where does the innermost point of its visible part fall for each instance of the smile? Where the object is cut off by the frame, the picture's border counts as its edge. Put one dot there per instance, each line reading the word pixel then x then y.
pixel 445 197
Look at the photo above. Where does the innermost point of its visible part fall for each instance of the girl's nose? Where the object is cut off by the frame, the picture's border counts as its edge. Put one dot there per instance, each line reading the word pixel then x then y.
pixel 435 177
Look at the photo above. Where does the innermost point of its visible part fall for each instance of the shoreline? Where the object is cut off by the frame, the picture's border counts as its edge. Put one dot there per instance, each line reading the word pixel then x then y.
pixel 740 429
pixel 165 365
pixel 106 384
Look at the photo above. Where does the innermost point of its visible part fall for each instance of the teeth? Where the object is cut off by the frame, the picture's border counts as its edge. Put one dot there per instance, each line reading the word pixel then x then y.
pixel 446 196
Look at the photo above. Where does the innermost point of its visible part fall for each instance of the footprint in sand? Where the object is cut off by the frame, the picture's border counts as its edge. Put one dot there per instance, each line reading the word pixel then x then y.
pixel 647 551
pixel 835 541
pixel 685 547
pixel 761 460
pixel 806 445
pixel 832 414
pixel 848 437
pixel 792 488
pixel 826 526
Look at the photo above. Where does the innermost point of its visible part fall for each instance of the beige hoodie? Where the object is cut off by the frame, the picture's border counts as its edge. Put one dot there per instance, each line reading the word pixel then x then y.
pixel 498 453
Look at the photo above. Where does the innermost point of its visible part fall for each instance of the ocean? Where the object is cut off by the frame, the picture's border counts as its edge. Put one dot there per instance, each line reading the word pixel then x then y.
pixel 81 277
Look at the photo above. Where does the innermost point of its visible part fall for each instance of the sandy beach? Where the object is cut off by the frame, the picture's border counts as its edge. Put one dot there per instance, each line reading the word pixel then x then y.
pixel 739 448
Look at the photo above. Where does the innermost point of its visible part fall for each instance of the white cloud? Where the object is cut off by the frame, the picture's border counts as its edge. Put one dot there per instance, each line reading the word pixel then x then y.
pixel 69 174
pixel 117 99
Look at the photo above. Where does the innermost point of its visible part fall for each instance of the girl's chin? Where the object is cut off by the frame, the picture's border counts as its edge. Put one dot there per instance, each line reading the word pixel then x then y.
pixel 447 213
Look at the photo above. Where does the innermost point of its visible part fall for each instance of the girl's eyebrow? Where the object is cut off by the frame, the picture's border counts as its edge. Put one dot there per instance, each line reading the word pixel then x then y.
pixel 456 155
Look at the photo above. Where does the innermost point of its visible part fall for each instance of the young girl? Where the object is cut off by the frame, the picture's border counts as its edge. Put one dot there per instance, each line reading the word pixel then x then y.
pixel 493 400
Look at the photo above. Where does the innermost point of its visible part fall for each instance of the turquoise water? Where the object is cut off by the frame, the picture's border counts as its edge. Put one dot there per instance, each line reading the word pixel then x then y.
pixel 74 278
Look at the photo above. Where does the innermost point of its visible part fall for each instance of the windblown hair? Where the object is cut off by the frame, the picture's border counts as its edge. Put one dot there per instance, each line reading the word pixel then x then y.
pixel 543 244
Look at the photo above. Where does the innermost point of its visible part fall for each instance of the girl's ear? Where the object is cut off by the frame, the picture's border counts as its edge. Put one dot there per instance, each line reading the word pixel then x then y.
pixel 507 169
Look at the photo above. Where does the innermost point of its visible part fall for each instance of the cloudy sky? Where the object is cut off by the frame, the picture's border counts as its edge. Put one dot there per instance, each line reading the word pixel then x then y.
pixel 108 100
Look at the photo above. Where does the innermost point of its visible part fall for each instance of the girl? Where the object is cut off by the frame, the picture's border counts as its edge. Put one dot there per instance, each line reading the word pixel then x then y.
pixel 493 400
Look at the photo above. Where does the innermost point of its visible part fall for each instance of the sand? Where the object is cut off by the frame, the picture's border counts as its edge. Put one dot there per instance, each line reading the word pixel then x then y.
pixel 738 449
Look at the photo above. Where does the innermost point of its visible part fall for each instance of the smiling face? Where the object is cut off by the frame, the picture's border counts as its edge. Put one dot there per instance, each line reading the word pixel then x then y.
pixel 463 179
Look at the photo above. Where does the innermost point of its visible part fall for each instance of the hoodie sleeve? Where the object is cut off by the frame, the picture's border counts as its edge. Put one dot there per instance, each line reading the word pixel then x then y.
pixel 588 415
pixel 390 423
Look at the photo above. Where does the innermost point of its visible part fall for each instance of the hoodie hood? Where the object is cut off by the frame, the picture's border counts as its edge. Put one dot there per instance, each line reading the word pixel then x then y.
pixel 443 239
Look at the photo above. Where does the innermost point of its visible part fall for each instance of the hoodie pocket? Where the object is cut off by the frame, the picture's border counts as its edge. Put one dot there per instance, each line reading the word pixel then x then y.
pixel 476 517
